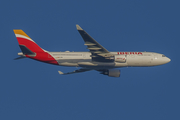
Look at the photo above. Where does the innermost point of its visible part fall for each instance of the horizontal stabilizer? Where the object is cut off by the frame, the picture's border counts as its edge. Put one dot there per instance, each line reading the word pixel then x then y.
pixel 61 73
pixel 21 57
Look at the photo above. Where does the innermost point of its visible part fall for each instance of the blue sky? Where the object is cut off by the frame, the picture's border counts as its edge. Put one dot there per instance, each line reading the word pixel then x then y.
pixel 33 90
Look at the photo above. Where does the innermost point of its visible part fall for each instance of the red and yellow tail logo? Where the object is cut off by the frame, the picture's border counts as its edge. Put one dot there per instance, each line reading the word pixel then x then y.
pixel 25 40
pixel 31 50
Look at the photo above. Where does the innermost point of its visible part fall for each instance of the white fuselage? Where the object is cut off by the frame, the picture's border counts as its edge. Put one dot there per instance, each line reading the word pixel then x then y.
pixel 132 59
pixel 98 58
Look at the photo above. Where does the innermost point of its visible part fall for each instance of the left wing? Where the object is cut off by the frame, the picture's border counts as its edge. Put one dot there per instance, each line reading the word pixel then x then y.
pixel 99 53
pixel 76 71
pixel 93 45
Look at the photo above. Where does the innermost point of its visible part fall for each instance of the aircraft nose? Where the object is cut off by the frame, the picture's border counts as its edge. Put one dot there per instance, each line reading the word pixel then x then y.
pixel 168 59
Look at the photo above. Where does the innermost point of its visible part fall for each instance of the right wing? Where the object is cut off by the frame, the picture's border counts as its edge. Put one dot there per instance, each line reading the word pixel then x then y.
pixel 76 71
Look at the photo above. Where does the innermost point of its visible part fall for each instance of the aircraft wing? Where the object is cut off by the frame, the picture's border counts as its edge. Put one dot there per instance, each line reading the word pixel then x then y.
pixel 99 53
pixel 76 71
pixel 93 46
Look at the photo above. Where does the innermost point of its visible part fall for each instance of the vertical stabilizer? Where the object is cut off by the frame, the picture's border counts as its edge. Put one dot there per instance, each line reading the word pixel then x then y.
pixel 26 44
pixel 31 50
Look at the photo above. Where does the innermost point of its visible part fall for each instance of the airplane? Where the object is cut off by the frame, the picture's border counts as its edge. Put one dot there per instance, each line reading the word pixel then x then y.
pixel 98 58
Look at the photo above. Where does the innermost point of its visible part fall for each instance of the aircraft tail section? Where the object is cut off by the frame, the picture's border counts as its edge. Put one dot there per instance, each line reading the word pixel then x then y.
pixel 27 45
pixel 31 50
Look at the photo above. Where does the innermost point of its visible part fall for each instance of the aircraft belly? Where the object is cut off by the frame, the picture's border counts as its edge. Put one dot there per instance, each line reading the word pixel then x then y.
pixel 82 64
pixel 117 64
pixel 71 62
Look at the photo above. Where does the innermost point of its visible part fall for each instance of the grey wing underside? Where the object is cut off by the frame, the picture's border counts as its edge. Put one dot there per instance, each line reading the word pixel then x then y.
pixel 76 71
pixel 93 46
pixel 82 70
pixel 98 52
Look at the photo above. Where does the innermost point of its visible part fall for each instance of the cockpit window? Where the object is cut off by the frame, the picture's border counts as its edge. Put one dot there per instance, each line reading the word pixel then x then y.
pixel 163 56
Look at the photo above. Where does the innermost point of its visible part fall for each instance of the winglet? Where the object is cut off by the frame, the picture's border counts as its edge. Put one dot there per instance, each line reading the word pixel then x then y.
pixel 78 27
pixel 61 73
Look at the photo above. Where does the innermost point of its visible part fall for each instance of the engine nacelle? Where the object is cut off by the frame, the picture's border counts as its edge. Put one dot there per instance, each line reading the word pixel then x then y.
pixel 120 58
pixel 112 72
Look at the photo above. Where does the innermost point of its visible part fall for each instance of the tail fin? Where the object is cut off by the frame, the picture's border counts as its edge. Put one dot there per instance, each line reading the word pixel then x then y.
pixel 31 50
pixel 27 45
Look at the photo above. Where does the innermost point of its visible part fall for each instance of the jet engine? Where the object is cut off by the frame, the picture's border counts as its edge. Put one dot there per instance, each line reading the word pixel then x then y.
pixel 112 72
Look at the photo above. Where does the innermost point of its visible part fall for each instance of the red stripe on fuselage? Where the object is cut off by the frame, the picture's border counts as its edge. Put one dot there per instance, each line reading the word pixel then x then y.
pixel 44 57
